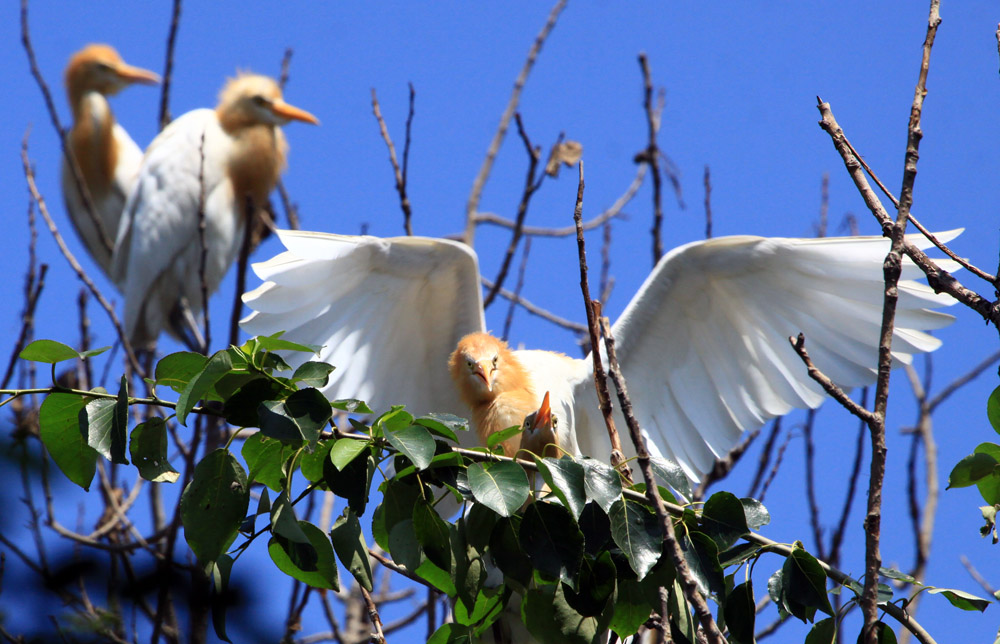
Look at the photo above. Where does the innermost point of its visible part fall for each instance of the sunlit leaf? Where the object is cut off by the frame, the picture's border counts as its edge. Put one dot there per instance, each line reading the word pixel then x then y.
pixel 178 369
pixel 636 531
pixel 323 571
pixel 148 448
pixel 349 543
pixel 565 477
pixel 502 487
pixel 59 429
pixel 313 374
pixel 217 366
pixel 961 599
pixel 601 483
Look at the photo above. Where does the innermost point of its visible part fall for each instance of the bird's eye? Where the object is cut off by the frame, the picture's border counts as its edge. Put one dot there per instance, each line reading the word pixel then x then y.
pixel 260 101
pixel 495 361
pixel 555 422
pixel 471 363
pixel 104 67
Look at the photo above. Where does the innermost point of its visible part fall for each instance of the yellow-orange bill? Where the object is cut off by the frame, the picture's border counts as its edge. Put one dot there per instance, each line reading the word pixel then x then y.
pixel 285 110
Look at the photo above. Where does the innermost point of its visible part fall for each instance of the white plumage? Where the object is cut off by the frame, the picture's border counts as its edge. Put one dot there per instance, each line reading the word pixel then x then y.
pixel 107 156
pixel 158 250
pixel 703 344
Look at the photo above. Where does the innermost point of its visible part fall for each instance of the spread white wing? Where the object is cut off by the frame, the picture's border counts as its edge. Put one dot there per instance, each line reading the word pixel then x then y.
pixel 388 313
pixel 703 344
pixel 157 252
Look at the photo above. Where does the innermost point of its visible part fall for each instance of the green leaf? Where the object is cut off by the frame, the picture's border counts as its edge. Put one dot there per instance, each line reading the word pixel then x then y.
pixel 451 633
pixel 702 557
pixel 398 499
pixel 310 411
pixel 550 618
pixel 596 583
pixel 414 442
pixel 275 343
pixel 993 409
pixel 631 610
pixel 565 478
pixel 432 534
pixel 240 409
pixel 265 457
pixel 104 423
pixel 805 585
pixel 311 465
pixel 59 429
pixel 601 483
pixel 324 572
pixel 486 607
pixel 502 487
pixel 738 554
pixel 505 546
pixel 596 527
pixel 740 612
pixel 823 632
pixel 444 425
pixel 892 573
pixel 178 369
pixel 971 469
pixel 353 482
pixel 213 504
pixel 351 406
pixel 199 386
pixel 553 543
pixel 345 450
pixel 671 473
pixel 989 486
pixel 148 448
pixel 349 543
pixel 637 532
pixel 51 352
pixel 498 437
pixel 961 599
pixel 313 374
pixel 221 570
pixel 756 514
pixel 883 634
pixel 723 519
pixel 283 521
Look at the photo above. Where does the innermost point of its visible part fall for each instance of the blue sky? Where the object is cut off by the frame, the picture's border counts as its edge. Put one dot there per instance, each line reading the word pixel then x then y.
pixel 741 81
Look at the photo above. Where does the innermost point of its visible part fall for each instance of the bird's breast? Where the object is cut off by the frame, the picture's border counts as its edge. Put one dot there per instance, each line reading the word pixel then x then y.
pixel 93 144
pixel 255 162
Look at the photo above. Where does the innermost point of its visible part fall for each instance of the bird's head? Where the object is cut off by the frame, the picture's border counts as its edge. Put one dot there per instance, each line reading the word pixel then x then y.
pixel 99 68
pixel 478 366
pixel 251 99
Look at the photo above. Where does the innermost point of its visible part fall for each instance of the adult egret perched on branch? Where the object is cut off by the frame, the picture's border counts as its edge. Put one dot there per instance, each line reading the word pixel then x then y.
pixel 218 159
pixel 107 156
pixel 703 344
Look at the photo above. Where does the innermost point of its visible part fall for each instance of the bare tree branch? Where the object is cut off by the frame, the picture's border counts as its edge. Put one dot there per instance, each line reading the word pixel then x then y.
pixel 168 67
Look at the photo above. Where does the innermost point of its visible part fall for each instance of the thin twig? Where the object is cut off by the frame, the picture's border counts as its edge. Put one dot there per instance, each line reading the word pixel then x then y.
pixel 978 578
pixel 607 281
pixel 286 64
pixel 534 309
pixel 378 635
pixel 404 200
pixel 29 176
pixel 81 185
pixel 530 186
pixel 651 155
pixel 725 464
pixel 241 272
pixel 34 282
pixel 852 481
pixel 593 314
pixel 472 205
pixel 835 392
pixel 168 67
pixel 961 381
pixel 684 576
pixel 509 320
pixel 708 202
pixel 566 231
pixel 765 457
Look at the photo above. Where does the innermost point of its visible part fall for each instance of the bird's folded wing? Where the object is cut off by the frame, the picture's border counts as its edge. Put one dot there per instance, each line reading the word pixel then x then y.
pixel 388 313
pixel 704 343
pixel 159 223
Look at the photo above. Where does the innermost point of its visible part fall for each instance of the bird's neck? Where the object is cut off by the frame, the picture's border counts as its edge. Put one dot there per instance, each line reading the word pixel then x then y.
pixel 256 162
pixel 92 140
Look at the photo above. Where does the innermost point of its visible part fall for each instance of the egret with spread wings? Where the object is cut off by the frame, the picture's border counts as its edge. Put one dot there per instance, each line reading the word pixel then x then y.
pixel 216 159
pixel 703 344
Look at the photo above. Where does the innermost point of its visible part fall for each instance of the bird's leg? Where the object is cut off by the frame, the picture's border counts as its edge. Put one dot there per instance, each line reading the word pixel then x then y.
pixel 184 324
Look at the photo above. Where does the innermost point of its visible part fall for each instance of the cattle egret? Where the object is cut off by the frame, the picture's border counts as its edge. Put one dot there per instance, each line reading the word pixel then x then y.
pixel 107 156
pixel 703 345
pixel 218 158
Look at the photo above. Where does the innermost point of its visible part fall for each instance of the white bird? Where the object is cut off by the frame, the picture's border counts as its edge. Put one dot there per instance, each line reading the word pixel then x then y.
pixel 239 151
pixel 703 344
pixel 107 156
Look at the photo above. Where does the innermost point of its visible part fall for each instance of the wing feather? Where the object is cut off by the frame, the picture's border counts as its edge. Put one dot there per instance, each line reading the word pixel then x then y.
pixel 704 347
pixel 388 312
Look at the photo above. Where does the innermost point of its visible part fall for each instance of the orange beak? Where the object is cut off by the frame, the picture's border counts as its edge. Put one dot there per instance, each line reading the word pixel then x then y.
pixel 482 368
pixel 292 113
pixel 137 74
pixel 543 417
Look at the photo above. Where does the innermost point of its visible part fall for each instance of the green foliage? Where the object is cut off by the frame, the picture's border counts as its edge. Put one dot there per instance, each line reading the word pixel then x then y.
pixel 572 559
pixel 982 469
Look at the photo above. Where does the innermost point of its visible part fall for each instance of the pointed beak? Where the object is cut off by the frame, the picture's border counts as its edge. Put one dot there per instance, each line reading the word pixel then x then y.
pixel 137 75
pixel 483 369
pixel 543 417
pixel 292 113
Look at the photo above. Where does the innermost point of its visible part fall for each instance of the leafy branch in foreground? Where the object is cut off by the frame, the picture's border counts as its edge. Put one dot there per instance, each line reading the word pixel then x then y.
pixel 570 559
